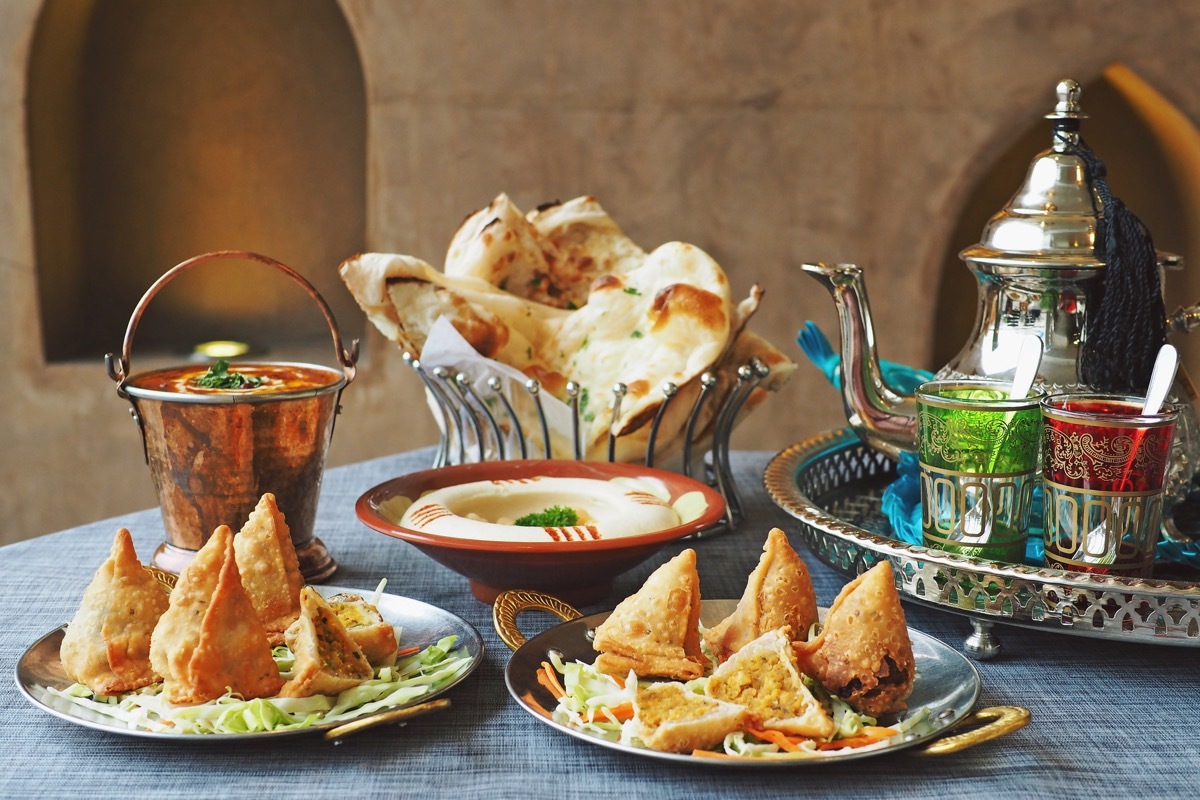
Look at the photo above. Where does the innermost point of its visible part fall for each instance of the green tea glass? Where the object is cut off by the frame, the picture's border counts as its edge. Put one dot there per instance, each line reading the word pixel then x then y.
pixel 979 466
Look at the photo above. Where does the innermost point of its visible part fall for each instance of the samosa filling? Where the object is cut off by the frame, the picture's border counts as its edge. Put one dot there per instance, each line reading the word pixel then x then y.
pixel 658 707
pixel 335 651
pixel 762 683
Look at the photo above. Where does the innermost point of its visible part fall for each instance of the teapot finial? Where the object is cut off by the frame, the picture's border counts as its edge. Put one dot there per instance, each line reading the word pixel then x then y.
pixel 1068 92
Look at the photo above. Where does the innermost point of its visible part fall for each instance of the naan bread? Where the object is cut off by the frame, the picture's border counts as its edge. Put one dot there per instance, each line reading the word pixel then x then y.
pixel 655 632
pixel 778 593
pixel 210 640
pixel 562 295
pixel 763 677
pixel 863 654
pixel 270 569
pixel 367 627
pixel 404 297
pixel 327 659
pixel 107 644
pixel 671 718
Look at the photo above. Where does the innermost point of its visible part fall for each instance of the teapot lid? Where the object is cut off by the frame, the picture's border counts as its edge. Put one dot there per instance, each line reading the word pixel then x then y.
pixel 1051 220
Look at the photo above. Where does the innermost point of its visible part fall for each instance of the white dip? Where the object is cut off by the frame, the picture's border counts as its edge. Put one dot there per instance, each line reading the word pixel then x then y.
pixel 487 509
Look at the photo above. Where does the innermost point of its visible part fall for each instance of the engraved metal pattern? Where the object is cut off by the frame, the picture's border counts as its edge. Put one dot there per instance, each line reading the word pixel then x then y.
pixel 951 437
pixel 1080 455
pixel 831 483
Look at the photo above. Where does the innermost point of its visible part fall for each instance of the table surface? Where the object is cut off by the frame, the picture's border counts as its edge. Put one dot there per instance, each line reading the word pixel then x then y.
pixel 1110 719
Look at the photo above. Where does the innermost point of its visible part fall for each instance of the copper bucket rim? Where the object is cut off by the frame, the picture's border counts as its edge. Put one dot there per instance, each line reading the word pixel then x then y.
pixel 231 397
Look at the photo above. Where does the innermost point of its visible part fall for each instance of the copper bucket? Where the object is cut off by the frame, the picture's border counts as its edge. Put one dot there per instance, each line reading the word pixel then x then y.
pixel 214 452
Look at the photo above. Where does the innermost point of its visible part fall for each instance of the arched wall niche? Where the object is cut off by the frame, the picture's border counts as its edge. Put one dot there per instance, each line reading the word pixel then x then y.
pixel 1152 152
pixel 136 165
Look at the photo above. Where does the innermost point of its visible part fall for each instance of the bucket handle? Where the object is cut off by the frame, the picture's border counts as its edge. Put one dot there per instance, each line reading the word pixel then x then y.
pixel 118 366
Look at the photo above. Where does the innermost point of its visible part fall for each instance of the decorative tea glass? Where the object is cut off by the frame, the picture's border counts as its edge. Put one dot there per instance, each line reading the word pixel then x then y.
pixel 979 459
pixel 1104 469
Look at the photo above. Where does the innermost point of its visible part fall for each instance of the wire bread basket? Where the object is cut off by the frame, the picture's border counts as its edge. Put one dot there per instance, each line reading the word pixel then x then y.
pixel 480 419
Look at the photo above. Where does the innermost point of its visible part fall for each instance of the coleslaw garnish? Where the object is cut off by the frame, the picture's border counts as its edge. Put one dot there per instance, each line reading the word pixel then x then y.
pixel 601 705
pixel 409 678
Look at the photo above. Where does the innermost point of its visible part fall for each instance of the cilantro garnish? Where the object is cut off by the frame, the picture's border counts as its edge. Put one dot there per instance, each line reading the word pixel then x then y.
pixel 552 517
pixel 219 377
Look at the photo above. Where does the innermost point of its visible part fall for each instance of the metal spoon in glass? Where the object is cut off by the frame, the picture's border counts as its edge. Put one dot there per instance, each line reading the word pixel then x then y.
pixel 1162 377
pixel 1028 361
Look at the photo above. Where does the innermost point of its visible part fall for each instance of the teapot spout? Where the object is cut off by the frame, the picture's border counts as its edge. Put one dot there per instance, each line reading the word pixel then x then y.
pixel 881 416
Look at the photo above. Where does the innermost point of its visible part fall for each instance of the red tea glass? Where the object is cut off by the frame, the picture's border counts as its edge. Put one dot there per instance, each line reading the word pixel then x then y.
pixel 1104 467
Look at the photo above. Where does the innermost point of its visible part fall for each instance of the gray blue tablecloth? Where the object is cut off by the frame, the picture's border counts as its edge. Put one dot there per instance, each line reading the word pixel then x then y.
pixel 1110 719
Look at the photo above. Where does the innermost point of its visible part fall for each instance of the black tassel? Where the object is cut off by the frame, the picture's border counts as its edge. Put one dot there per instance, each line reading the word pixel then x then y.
pixel 1126 322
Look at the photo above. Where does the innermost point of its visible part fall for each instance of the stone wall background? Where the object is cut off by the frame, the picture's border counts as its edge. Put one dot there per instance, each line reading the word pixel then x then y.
pixel 768 133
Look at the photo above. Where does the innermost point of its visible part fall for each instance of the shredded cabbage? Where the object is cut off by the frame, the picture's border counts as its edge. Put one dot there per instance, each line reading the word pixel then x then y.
pixel 590 694
pixel 406 680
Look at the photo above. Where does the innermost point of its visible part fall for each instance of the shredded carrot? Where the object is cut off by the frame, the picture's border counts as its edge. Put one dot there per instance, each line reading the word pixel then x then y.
pixel 408 651
pixel 622 712
pixel 714 754
pixel 777 738
pixel 870 735
pixel 548 677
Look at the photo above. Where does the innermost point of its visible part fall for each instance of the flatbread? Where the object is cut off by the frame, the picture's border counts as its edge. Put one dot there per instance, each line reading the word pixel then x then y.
pixel 655 631
pixel 779 593
pixel 562 294
pixel 210 639
pixel 269 567
pixel 863 653
pixel 107 643
pixel 327 659
pixel 763 677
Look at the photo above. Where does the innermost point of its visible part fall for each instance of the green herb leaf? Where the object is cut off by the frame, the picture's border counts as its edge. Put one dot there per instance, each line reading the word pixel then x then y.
pixel 219 377
pixel 552 517
pixel 631 290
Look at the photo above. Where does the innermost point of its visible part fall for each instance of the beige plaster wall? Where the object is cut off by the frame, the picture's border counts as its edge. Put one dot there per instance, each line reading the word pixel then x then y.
pixel 769 133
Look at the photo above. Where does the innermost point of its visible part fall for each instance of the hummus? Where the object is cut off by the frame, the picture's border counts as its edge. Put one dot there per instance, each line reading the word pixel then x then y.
pixel 487 510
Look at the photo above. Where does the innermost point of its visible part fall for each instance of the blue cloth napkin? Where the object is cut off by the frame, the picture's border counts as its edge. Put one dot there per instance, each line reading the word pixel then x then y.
pixel 814 344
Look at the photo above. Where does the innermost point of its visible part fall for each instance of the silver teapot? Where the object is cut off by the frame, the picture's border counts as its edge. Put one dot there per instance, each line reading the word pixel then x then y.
pixel 1037 269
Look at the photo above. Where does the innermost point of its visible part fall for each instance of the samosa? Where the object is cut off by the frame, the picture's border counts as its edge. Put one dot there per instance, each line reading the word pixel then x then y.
pixel 656 631
pixel 863 653
pixel 107 644
pixel 270 569
pixel 763 677
pixel 210 640
pixel 778 593
pixel 327 659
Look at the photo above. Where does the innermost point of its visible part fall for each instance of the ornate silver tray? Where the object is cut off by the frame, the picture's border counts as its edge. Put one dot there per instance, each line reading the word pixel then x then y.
pixel 832 484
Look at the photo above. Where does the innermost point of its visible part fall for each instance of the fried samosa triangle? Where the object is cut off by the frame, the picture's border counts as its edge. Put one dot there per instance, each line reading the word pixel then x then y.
pixel 107 645
pixel 270 569
pixel 655 632
pixel 863 653
pixel 763 677
pixel 327 659
pixel 779 593
pixel 210 640
pixel 671 718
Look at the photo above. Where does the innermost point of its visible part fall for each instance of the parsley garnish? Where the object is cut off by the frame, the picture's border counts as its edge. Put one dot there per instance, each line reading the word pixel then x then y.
pixel 631 290
pixel 219 377
pixel 636 334
pixel 552 517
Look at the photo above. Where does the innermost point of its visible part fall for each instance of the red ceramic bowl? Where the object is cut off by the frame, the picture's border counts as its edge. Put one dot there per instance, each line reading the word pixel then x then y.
pixel 578 572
